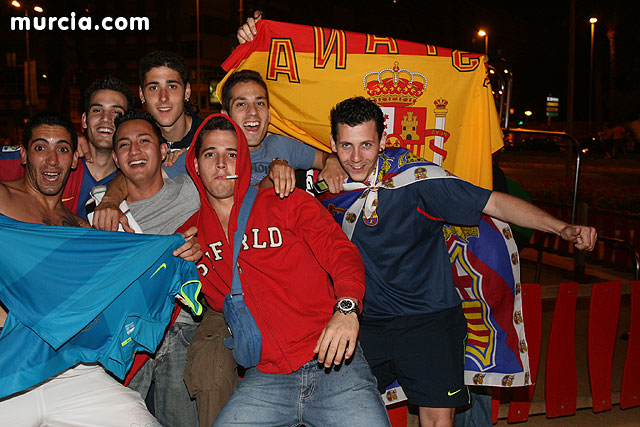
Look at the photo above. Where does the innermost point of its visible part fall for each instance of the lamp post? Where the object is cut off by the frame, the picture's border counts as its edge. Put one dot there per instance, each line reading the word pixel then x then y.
pixel 593 24
pixel 30 88
pixel 483 33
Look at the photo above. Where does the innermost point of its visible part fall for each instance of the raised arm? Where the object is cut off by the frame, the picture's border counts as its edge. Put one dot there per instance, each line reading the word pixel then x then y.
pixel 517 211
pixel 248 30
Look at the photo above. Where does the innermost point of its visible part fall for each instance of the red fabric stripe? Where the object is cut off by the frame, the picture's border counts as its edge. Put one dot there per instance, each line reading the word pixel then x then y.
pixel 427 215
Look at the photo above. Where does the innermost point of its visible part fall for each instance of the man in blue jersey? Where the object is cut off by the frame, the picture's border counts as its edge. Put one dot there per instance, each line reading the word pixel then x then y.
pixel 104 100
pixel 413 328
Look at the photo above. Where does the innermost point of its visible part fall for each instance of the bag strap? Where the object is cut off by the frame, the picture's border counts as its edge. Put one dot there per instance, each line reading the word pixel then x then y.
pixel 243 217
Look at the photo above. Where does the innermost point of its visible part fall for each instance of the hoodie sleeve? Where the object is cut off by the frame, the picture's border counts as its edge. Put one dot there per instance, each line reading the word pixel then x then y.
pixel 331 247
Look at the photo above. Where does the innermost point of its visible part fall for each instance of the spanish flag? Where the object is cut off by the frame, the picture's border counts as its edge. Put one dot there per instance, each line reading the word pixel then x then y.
pixel 437 101
pixel 437 104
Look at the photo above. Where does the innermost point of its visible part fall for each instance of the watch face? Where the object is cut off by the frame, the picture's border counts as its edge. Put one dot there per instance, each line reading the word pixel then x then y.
pixel 321 186
pixel 347 304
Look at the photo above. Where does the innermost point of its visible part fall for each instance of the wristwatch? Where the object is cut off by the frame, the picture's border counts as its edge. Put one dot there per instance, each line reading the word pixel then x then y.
pixel 346 306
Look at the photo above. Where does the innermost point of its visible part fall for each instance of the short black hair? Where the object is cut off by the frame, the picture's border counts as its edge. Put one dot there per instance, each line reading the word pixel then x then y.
pixel 109 83
pixel 49 118
pixel 242 76
pixel 355 111
pixel 137 115
pixel 216 123
pixel 163 58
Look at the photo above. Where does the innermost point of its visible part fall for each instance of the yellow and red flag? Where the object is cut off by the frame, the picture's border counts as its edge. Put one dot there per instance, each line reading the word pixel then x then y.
pixel 437 101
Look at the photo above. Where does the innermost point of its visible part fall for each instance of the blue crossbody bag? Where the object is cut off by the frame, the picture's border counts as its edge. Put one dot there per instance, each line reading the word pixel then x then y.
pixel 246 340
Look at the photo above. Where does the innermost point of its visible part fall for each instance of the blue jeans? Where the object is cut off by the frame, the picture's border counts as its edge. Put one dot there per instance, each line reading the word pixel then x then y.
pixel 312 396
pixel 173 406
pixel 479 413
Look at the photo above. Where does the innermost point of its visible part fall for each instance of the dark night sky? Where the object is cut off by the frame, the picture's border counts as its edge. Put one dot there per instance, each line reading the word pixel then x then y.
pixel 533 38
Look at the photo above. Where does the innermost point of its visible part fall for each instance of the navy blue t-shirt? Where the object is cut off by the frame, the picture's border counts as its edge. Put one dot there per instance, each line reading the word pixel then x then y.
pixel 407 265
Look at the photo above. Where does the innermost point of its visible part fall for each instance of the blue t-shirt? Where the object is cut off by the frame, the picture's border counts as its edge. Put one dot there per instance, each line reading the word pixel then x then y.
pixel 117 302
pixel 179 167
pixel 406 261
pixel 297 154
pixel 88 182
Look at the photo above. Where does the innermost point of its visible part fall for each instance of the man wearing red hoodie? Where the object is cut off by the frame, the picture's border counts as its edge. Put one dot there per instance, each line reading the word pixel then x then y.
pixel 297 268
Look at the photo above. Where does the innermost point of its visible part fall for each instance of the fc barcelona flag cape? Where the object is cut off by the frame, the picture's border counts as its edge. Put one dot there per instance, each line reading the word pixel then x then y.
pixel 437 101
pixel 79 295
pixel 484 262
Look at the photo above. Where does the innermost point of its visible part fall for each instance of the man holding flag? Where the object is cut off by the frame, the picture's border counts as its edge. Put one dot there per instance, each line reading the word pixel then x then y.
pixel 393 209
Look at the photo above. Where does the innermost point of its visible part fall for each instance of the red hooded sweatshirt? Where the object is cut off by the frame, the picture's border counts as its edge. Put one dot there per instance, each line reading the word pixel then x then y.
pixel 292 250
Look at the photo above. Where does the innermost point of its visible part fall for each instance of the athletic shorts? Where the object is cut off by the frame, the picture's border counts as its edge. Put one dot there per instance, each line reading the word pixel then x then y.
pixel 425 353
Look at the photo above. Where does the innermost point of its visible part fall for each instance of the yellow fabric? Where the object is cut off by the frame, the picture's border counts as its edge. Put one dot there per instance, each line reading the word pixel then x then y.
pixel 301 94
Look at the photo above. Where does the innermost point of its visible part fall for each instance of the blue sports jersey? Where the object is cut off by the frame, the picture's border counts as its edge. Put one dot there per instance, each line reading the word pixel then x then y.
pixel 88 182
pixel 117 300
pixel 406 261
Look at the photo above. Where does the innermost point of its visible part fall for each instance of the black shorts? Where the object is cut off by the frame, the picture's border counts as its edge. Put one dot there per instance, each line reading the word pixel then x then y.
pixel 424 353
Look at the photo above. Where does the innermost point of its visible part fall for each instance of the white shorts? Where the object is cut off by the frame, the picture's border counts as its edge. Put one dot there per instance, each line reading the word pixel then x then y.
pixel 84 396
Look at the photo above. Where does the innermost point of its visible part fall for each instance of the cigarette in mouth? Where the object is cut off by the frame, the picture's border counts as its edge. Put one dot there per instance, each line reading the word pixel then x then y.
pixel 231 176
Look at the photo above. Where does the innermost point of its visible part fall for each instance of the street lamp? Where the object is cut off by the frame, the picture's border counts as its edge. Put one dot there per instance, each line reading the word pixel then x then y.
pixel 593 24
pixel 38 9
pixel 30 88
pixel 483 33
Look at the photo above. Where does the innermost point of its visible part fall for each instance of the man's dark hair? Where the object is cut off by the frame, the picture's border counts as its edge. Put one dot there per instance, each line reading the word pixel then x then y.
pixel 355 111
pixel 242 76
pixel 137 115
pixel 109 83
pixel 216 123
pixel 163 58
pixel 49 119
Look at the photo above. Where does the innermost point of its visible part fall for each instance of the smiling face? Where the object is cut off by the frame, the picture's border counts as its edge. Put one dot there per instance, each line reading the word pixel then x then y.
pixel 49 159
pixel 357 148
pixel 138 152
pixel 249 108
pixel 216 161
pixel 164 94
pixel 105 105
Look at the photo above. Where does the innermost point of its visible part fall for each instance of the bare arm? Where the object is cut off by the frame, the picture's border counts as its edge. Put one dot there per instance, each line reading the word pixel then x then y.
pixel 517 211
pixel 108 215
